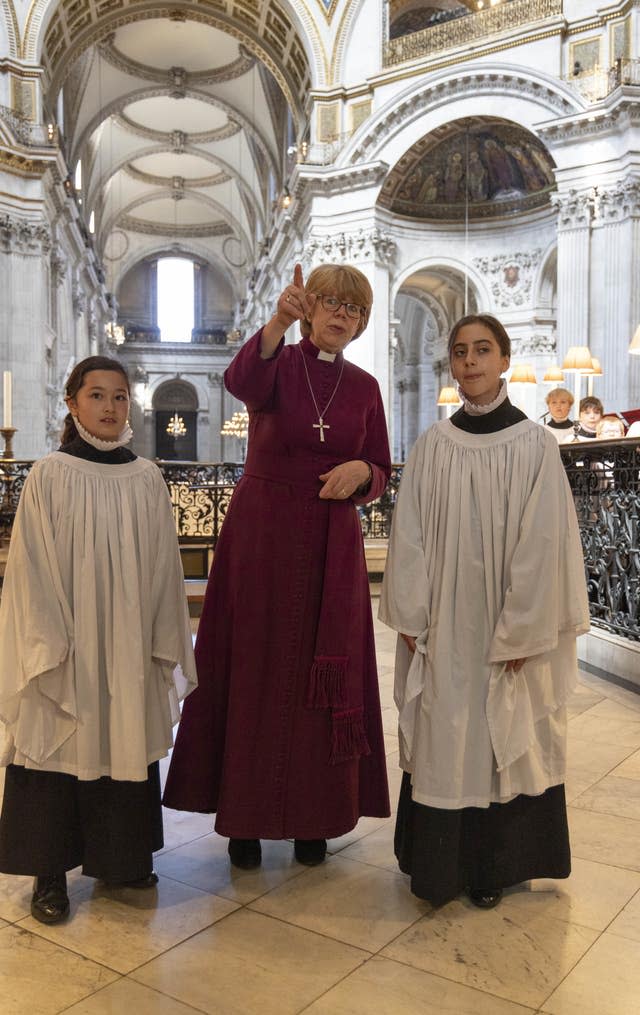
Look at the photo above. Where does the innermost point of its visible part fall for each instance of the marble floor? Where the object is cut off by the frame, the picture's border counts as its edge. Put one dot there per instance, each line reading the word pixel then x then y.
pixel 348 938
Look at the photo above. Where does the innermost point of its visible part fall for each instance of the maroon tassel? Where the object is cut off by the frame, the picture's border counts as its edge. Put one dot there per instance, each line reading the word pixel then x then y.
pixel 328 682
pixel 348 737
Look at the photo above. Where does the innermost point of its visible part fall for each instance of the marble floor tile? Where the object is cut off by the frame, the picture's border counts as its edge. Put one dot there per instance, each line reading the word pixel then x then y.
pixel 122 928
pixel 582 699
pixel 629 769
pixel 383 986
pixel 502 951
pixel 627 923
pixel 364 827
pixel 610 708
pixel 606 729
pixel 205 864
pixel 251 963
pixel 127 996
pixel 591 896
pixel 39 978
pixel 612 795
pixel 181 827
pixel 605 838
pixel 610 691
pixel 15 897
pixel 604 982
pixel 594 758
pixel 375 849
pixel 352 902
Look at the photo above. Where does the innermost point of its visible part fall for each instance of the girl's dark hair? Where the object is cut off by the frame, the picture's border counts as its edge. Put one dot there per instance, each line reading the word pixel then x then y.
pixel 591 402
pixel 76 380
pixel 492 323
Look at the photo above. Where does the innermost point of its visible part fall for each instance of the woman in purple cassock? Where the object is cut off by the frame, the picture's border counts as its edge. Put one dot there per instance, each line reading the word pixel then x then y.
pixel 283 737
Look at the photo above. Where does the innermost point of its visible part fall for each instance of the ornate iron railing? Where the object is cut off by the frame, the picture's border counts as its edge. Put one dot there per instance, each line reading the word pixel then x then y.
pixel 605 481
pixel 465 30
pixel 604 477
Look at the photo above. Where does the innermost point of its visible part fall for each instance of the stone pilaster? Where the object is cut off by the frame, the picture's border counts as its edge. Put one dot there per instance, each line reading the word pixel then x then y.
pixel 575 218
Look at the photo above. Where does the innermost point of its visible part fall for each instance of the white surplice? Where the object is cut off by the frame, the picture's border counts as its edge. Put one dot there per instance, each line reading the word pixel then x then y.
pixel 485 565
pixel 95 639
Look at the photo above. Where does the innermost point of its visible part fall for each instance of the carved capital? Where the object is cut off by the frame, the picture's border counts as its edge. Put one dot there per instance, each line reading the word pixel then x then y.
pixel 20 236
pixel 58 264
pixel 215 380
pixel 575 209
pixel 534 344
pixel 619 202
pixel 361 245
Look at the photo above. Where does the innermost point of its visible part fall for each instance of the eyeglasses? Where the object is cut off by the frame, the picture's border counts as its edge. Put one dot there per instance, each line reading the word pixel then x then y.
pixel 333 304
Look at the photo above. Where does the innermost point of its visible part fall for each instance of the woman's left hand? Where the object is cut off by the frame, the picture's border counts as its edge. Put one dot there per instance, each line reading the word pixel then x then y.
pixel 341 482
pixel 515 664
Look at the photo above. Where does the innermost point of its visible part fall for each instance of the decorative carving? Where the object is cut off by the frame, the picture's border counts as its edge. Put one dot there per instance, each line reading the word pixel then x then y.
pixel 135 225
pixel 178 139
pixel 215 380
pixel 575 209
pixel 78 299
pixel 235 69
pixel 533 345
pixel 58 265
pixel 361 245
pixel 511 276
pixel 177 82
pixel 21 236
pixel 621 201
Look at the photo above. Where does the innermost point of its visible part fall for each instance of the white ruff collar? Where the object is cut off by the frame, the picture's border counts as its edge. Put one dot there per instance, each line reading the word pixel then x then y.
pixel 481 410
pixel 123 438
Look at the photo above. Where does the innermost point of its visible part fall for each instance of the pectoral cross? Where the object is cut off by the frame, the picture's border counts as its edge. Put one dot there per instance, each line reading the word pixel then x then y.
pixel 321 426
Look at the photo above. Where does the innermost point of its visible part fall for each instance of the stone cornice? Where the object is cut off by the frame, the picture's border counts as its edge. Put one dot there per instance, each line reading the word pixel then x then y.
pixel 312 180
pixel 601 118
pixel 166 181
pixel 351 246
pixel 575 208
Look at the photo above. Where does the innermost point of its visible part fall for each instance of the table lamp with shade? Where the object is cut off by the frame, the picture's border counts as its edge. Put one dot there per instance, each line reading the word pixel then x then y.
pixel 577 361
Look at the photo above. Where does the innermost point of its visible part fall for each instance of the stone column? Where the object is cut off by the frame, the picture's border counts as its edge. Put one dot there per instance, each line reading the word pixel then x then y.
pixel 216 417
pixel 23 326
pixel 616 293
pixel 575 217
pixel 372 251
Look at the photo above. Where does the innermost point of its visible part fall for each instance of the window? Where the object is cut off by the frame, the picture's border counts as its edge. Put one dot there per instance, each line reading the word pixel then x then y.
pixel 175 299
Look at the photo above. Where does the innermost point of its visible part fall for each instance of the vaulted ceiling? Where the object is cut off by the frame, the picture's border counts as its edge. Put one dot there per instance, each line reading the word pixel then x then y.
pixel 182 129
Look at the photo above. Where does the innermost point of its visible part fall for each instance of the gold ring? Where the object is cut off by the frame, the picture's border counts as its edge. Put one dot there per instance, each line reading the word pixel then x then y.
pixel 287 299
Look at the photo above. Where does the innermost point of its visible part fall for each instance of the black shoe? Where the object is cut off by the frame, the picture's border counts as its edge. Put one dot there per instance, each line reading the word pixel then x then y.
pixel 245 853
pixel 485 898
pixel 50 902
pixel 310 851
pixel 150 881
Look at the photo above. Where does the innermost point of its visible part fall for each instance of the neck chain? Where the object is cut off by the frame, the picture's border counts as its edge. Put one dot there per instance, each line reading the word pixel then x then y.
pixel 320 425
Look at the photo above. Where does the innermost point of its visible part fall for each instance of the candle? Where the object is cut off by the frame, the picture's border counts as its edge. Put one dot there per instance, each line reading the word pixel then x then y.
pixel 7 398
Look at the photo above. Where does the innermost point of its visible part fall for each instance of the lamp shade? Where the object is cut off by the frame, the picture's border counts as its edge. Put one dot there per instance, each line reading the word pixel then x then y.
pixel 578 359
pixel 634 348
pixel 523 373
pixel 597 369
pixel 448 396
pixel 553 375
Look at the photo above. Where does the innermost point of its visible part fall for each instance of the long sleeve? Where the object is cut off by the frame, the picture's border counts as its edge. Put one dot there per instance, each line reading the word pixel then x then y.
pixel 404 600
pixel 547 556
pixel 250 378
pixel 376 452
pixel 37 694
pixel 172 644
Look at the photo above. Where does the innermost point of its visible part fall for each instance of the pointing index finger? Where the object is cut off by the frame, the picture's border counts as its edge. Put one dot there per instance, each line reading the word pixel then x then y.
pixel 298 280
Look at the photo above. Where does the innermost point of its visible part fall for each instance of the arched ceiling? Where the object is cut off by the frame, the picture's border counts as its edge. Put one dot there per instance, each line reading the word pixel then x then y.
pixel 484 167
pixel 182 132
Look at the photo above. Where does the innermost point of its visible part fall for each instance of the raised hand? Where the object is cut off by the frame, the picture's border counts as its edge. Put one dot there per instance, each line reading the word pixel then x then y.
pixel 343 480
pixel 293 305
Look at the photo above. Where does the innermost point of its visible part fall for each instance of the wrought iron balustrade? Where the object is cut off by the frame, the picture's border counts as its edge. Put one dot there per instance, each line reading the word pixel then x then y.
pixel 604 477
pixel 13 473
pixel 469 29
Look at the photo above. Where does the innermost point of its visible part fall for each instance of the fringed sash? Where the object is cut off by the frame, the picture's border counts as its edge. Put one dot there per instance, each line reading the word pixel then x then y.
pixel 337 672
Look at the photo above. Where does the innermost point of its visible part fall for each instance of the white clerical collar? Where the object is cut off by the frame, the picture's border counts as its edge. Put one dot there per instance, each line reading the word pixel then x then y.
pixel 96 442
pixel 481 410
pixel 328 357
